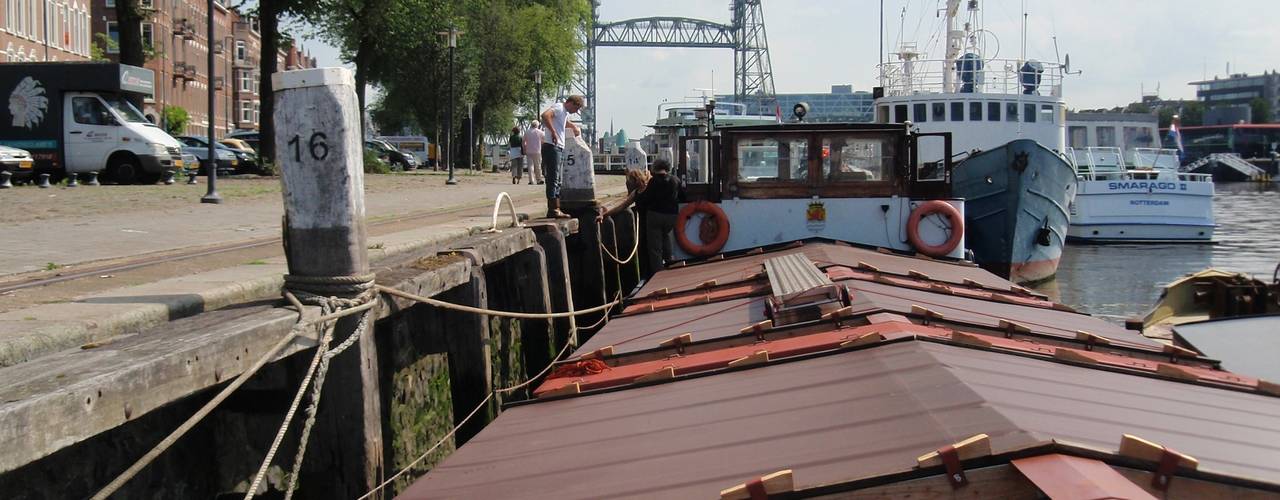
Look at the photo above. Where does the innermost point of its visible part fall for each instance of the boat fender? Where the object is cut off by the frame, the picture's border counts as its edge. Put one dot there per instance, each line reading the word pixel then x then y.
pixel 713 231
pixel 926 209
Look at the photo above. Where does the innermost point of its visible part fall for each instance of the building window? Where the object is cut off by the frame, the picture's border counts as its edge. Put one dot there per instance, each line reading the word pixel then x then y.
pixel 246 81
pixel 1029 113
pixel 919 113
pixel 111 3
pixel 241 51
pixel 148 35
pixel 246 111
pixel 1078 137
pixel 113 32
pixel 957 111
pixel 1106 137
pixel 147 4
pixel 993 111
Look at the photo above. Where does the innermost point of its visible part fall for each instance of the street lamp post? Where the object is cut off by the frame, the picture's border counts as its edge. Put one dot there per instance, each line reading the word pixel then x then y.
pixel 211 196
pixel 452 35
pixel 471 150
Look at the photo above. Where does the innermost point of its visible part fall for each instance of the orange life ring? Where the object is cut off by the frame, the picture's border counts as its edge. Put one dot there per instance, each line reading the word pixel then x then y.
pixel 926 209
pixel 713 232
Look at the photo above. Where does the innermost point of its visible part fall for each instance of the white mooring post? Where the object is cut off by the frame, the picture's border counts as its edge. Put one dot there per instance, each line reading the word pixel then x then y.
pixel 319 148
pixel 320 154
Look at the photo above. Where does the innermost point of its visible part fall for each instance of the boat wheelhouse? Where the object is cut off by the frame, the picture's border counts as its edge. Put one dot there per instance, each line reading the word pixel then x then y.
pixel 859 183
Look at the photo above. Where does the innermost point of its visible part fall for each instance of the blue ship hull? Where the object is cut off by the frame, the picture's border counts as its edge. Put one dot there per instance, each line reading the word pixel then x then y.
pixel 1016 199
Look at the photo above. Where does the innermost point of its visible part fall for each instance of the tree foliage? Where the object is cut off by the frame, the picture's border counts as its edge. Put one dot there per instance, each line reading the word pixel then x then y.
pixel 175 120
pixel 1260 108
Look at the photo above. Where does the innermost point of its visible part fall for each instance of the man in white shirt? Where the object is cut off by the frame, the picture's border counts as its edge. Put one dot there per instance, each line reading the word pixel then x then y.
pixel 554 122
pixel 533 152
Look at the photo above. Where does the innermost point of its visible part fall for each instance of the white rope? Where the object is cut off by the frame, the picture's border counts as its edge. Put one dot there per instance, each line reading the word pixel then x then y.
pixel 484 403
pixel 497 204
pixel 635 225
pixel 492 312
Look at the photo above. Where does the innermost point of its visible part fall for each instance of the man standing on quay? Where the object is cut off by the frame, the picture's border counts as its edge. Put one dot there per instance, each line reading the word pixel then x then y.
pixel 533 152
pixel 554 121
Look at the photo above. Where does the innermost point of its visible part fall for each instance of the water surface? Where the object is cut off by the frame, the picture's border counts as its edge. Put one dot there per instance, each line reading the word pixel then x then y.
pixel 1115 282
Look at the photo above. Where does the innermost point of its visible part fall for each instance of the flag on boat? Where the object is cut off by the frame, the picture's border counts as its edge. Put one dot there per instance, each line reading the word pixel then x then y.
pixel 778 112
pixel 1175 136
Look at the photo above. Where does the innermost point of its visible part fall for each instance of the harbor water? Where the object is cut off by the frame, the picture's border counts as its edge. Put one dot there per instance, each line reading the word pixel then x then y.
pixel 1115 282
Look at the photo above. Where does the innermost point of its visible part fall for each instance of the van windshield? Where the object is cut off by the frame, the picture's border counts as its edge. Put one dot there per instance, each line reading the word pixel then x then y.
pixel 125 110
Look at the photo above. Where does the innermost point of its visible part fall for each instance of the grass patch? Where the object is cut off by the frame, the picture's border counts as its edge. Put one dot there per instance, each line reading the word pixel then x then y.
pixel 52 266
pixel 257 262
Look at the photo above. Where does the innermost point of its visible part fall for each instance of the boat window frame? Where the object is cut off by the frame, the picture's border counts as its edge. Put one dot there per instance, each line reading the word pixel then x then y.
pixel 896 181
pixel 993 111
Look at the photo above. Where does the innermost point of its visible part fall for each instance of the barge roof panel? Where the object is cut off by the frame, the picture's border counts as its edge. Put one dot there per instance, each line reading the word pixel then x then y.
pixel 841 417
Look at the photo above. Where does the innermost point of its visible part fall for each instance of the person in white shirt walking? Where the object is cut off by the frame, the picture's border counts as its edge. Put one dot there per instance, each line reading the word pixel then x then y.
pixel 554 122
pixel 533 152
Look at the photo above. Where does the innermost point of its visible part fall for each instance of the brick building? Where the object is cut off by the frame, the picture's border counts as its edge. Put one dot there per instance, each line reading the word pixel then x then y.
pixel 44 30
pixel 176 33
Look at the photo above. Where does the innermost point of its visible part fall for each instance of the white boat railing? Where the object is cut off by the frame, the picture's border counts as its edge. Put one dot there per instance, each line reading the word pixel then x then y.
pixel 1108 163
pixel 997 76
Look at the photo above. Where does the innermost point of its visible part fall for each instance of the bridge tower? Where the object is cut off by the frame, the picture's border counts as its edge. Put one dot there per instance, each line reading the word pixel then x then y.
pixel 745 34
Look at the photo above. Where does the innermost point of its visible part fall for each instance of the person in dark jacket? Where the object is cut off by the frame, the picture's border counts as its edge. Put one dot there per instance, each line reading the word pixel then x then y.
pixel 515 152
pixel 660 198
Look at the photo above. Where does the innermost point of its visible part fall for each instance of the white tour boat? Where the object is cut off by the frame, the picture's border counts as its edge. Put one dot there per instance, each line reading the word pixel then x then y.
pixel 1139 196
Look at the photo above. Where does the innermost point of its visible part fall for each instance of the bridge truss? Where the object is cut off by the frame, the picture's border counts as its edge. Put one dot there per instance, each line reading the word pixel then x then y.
pixel 753 71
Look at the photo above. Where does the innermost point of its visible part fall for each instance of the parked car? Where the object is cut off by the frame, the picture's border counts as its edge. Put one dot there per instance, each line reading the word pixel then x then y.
pixel 244 162
pixel 249 137
pixel 17 161
pixel 238 144
pixel 415 145
pixel 226 159
pixel 397 158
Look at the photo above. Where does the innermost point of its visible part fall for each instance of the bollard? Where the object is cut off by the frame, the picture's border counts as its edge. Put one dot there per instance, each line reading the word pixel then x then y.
pixel 320 153
pixel 44 181
pixel 73 180
pixel 93 179
pixel 5 183
pixel 168 176
pixel 191 176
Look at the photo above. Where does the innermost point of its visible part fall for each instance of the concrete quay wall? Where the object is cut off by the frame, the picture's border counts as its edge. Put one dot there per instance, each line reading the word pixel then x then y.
pixel 73 420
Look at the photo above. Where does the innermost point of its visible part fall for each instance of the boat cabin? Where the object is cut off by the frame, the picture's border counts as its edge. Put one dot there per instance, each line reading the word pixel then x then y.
pixel 855 182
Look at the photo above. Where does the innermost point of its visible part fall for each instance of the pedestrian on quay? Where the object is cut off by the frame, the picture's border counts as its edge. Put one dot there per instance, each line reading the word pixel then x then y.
pixel 533 152
pixel 554 122
pixel 515 151
pixel 659 196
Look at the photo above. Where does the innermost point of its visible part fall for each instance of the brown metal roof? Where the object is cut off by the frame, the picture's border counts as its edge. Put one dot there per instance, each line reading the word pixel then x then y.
pixel 646 331
pixel 823 254
pixel 870 296
pixel 842 417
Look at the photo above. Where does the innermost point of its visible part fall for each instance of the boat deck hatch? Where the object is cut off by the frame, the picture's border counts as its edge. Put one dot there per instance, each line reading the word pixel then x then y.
pixel 800 291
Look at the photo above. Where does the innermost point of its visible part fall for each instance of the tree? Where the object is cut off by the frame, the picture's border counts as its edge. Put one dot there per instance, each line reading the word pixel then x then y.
pixel 269 13
pixel 175 120
pixel 1260 108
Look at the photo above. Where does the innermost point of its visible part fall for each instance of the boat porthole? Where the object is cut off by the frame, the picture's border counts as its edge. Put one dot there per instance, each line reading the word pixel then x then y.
pixel 1201 233
pixel 1121 232
pixel 989 180
pixel 1095 232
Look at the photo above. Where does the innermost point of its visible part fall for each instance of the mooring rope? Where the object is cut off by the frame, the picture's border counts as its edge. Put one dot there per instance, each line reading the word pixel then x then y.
pixel 339 297
pixel 485 402
pixel 635 225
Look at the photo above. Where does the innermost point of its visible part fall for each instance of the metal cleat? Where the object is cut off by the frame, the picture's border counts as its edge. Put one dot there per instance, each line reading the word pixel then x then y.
pixel 44 181
pixel 93 179
pixel 5 183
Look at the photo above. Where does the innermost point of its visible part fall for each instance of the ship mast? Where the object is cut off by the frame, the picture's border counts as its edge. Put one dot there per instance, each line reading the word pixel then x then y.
pixel 955 40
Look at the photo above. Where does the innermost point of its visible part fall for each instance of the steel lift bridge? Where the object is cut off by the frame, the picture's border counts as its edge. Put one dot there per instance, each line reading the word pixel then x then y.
pixel 753 73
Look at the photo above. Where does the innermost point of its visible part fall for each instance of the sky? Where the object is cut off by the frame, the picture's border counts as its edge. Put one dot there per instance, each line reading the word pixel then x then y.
pixel 1121 47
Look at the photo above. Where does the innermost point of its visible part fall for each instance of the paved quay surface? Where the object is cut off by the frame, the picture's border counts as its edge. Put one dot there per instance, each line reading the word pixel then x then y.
pixel 50 229
pixel 90 311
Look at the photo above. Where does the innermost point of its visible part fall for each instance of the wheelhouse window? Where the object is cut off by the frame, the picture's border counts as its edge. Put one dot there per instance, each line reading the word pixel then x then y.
pixel 850 158
pixel 900 113
pixel 1046 113
pixel 1029 113
pixel 919 113
pixel 957 111
pixel 1011 111
pixel 975 111
pixel 939 112
pixel 993 111
pixel 770 159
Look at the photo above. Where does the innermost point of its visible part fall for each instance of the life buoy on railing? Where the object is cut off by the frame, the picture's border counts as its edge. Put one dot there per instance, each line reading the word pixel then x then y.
pixel 935 207
pixel 713 231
